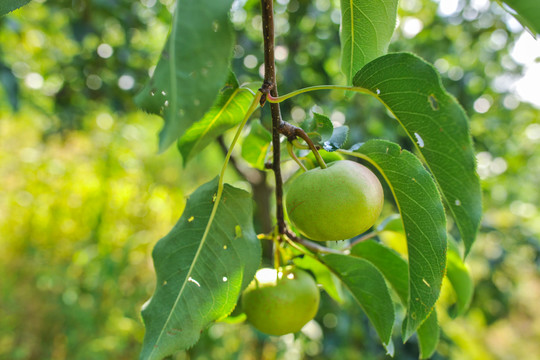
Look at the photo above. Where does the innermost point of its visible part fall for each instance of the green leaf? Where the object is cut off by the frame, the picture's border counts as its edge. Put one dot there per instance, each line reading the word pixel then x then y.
pixel 527 12
pixel 319 128
pixel 411 89
pixel 256 144
pixel 368 287
pixel 202 265
pixel 192 68
pixel 366 29
pixel 390 264
pixel 460 278
pixel 339 137
pixel 424 221
pixel 324 276
pixel 428 336
pixel 228 110
pixel 7 6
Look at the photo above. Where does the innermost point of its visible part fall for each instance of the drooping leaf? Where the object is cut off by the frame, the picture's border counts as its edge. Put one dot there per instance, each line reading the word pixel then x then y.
pixel 256 145
pixel 393 267
pixel 338 138
pixel 428 336
pixel 412 90
pixel 319 128
pixel 7 6
pixel 324 276
pixel 460 278
pixel 228 110
pixel 368 287
pixel 527 12
pixel 202 265
pixel 366 29
pixel 192 68
pixel 424 222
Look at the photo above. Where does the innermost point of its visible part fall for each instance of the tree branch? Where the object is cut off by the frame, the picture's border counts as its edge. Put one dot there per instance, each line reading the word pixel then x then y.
pixel 267 12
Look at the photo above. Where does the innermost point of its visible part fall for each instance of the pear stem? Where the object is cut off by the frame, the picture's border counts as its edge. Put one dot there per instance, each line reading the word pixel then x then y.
pixel 294 157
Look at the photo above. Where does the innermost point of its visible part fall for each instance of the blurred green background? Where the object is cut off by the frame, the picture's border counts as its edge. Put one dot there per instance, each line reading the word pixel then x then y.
pixel 84 196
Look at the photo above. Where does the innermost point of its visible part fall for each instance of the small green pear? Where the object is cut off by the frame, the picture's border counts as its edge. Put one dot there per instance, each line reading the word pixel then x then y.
pixel 281 302
pixel 335 203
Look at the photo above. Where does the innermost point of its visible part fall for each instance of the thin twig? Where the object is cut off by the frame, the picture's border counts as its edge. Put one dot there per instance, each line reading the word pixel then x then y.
pixel 269 85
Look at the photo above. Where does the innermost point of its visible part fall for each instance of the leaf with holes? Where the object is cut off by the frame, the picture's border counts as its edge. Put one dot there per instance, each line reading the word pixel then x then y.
pixel 192 68
pixel 411 89
pixel 369 289
pixel 202 265
pixel 424 221
pixel 7 6
pixel 228 110
pixel 366 29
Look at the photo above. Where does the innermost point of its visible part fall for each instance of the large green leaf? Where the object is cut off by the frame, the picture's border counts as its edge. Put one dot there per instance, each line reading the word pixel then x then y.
pixel 368 287
pixel 527 12
pixel 460 278
pixel 202 265
pixel 192 68
pixel 428 336
pixel 424 222
pixel 366 29
pixel 7 6
pixel 228 110
pixel 411 89
pixel 394 268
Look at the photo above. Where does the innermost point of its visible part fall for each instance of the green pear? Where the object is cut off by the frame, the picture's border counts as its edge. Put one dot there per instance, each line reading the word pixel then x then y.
pixel 335 203
pixel 280 302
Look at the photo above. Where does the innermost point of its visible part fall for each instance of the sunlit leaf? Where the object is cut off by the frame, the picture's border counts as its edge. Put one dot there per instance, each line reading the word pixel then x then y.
pixel 527 12
pixel 323 275
pixel 411 89
pixel 7 6
pixel 368 287
pixel 228 110
pixel 424 222
pixel 201 266
pixel 366 29
pixel 428 336
pixel 256 145
pixel 192 68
